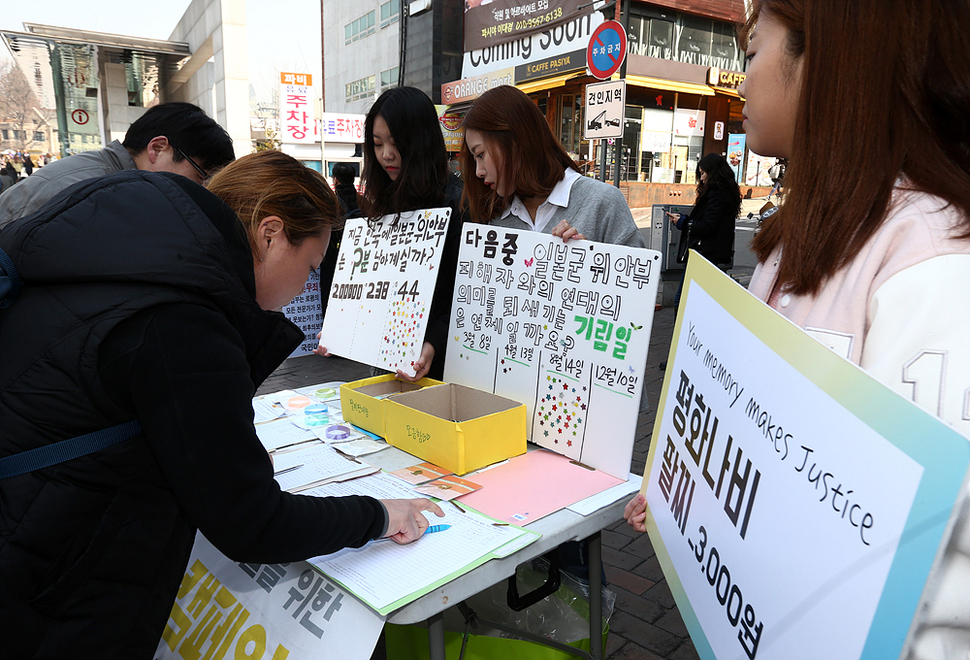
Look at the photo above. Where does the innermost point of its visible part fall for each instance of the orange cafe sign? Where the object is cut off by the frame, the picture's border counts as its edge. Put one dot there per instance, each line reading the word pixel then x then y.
pixel 469 89
pixel 727 79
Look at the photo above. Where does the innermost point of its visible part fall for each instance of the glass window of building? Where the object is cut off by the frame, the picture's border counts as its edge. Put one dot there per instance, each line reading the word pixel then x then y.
pixel 684 38
pixel 38 136
pixel 360 89
pixel 141 74
pixel 360 28
pixel 694 44
pixel 632 122
pixel 389 78
pixel 652 36
pixel 725 53
pixel 688 143
pixel 655 142
pixel 570 123
pixel 390 12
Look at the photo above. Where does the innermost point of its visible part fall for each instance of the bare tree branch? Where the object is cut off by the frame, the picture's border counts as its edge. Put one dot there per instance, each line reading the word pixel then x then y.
pixel 17 104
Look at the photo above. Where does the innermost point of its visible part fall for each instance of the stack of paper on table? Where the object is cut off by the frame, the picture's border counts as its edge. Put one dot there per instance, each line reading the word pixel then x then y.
pixel 384 575
pixel 314 465
pixel 387 576
pixel 534 485
pixel 280 430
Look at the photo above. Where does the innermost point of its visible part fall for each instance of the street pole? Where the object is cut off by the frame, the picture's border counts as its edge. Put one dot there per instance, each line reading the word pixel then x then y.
pixel 618 145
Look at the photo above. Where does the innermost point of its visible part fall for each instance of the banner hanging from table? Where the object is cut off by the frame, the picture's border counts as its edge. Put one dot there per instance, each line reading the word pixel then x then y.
pixel 226 609
pixel 795 503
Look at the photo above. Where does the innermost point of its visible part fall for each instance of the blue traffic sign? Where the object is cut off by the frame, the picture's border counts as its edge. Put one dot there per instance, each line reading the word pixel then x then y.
pixel 606 49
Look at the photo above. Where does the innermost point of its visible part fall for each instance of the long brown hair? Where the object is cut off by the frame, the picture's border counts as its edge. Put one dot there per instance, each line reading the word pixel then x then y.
pixel 884 99
pixel 533 160
pixel 271 183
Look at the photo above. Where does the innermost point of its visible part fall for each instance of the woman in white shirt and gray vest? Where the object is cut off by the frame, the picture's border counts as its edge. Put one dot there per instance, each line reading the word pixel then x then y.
pixel 518 175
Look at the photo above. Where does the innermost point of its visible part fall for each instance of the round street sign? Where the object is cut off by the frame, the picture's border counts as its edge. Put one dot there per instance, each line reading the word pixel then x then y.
pixel 606 49
pixel 80 117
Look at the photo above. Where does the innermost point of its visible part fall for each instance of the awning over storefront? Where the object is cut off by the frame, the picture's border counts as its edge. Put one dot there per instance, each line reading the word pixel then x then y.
pixel 670 85
pixel 548 83
pixel 727 91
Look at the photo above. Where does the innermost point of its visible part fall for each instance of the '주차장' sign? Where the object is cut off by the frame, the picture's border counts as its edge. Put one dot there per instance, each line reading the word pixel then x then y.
pixel 561 327
pixel 382 288
pixel 336 127
pixel 226 609
pixel 795 503
pixel 296 109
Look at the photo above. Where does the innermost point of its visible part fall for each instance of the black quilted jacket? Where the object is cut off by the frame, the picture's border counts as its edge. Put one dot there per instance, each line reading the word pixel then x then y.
pixel 138 303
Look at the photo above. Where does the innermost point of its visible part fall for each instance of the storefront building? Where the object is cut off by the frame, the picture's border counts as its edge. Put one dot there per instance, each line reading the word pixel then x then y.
pixel 683 70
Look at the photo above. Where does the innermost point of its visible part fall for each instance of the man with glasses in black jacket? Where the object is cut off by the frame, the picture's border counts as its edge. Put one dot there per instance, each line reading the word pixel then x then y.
pixel 171 137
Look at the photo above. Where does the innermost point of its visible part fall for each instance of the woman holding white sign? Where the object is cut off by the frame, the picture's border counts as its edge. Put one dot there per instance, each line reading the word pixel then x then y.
pixel 872 243
pixel 406 169
pixel 518 175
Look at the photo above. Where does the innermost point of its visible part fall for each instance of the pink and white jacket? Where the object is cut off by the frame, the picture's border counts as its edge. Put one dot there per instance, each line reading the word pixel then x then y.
pixel 901 311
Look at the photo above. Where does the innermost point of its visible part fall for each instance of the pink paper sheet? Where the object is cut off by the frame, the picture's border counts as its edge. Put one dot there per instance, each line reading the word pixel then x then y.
pixel 534 485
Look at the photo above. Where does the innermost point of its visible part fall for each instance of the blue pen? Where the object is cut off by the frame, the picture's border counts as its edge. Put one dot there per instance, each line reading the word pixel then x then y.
pixel 430 530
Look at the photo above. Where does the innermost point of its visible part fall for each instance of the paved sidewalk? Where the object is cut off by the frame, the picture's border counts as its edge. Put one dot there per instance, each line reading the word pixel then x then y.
pixel 645 624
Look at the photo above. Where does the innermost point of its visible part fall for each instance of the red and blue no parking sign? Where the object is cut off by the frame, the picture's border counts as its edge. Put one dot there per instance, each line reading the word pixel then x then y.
pixel 606 49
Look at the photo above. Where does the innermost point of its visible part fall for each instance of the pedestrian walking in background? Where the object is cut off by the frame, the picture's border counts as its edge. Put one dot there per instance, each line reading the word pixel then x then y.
pixel 18 166
pixel 343 185
pixel 709 227
pixel 777 174
pixel 8 177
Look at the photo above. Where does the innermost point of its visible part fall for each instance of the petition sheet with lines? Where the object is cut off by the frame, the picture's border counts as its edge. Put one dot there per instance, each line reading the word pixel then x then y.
pixel 386 575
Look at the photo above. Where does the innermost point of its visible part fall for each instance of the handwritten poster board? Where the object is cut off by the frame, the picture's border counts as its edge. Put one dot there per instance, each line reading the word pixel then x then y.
pixel 307 312
pixel 795 503
pixel 561 327
pixel 382 288
pixel 226 609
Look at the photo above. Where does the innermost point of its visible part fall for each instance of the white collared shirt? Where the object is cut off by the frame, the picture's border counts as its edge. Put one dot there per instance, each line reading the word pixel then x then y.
pixel 558 197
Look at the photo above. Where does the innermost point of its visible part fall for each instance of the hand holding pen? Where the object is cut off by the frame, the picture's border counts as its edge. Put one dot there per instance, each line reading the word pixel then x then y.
pixel 406 523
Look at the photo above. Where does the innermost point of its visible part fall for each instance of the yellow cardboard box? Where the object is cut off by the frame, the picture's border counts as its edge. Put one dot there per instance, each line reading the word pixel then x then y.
pixel 362 401
pixel 456 427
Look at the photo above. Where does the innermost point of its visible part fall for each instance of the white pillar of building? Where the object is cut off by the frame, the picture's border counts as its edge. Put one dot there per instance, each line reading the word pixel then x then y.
pixel 216 77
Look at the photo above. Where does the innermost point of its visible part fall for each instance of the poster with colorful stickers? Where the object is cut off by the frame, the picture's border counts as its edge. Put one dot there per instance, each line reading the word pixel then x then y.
pixel 382 288
pixel 561 327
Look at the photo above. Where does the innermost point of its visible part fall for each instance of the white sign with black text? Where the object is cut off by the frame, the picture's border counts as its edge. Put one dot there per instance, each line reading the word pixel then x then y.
pixel 383 286
pixel 227 609
pixel 605 104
